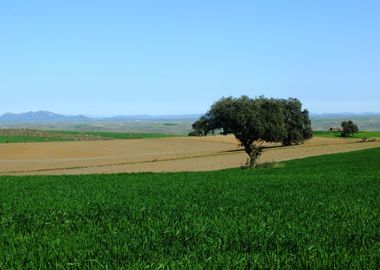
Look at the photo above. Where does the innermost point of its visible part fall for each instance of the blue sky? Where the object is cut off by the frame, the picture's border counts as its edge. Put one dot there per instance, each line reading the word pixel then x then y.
pixel 178 57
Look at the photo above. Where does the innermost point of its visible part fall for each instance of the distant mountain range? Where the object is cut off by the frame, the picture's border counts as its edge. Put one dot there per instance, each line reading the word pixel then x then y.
pixel 40 116
pixel 155 117
pixel 46 116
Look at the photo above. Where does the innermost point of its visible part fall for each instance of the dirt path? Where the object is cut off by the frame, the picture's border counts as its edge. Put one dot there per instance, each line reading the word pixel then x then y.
pixel 157 155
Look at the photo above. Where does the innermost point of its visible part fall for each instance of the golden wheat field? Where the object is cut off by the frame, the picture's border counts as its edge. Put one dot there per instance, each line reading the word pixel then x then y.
pixel 153 155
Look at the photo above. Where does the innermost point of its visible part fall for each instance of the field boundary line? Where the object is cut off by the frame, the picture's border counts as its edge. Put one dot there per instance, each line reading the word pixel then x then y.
pixel 222 153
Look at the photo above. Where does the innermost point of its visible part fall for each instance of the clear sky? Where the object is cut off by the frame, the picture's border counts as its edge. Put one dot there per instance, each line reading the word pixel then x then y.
pixel 177 57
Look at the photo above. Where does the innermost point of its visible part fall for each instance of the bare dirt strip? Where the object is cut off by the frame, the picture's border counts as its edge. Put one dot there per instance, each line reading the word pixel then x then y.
pixel 153 155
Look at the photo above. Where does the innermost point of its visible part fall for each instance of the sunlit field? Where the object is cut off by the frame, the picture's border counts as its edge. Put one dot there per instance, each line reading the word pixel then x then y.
pixel 319 213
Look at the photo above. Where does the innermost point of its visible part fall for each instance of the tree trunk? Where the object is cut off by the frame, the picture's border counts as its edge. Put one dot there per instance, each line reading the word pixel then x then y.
pixel 253 151
pixel 286 143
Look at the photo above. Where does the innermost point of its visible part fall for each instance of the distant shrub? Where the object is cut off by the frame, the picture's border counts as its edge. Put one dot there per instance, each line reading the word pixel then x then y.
pixel 268 164
pixel 271 164
pixel 194 133
pixel 349 128
pixel 366 139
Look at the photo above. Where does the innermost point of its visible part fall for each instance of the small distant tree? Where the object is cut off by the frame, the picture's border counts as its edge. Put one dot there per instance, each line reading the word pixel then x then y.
pixel 349 128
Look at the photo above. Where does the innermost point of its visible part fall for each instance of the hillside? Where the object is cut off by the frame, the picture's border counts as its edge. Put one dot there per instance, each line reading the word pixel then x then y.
pixel 366 122
pixel 169 124
pixel 39 116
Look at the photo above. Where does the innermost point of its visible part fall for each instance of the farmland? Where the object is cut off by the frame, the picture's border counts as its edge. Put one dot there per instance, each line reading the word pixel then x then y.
pixel 369 122
pixel 30 135
pixel 66 202
pixel 174 125
pixel 136 126
pixel 36 135
pixel 189 135
pixel 319 213
pixel 335 134
pixel 155 154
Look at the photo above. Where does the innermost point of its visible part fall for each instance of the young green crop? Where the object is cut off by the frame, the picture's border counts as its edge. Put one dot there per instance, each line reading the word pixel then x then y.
pixel 337 134
pixel 314 213
pixel 25 135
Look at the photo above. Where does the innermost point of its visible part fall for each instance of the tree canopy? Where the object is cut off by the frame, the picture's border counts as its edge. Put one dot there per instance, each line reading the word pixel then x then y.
pixel 349 128
pixel 297 122
pixel 253 121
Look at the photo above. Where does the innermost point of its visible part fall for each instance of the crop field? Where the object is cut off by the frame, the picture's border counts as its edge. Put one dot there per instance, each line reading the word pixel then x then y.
pixel 314 213
pixel 134 126
pixel 335 134
pixel 365 122
pixel 156 154
pixel 30 135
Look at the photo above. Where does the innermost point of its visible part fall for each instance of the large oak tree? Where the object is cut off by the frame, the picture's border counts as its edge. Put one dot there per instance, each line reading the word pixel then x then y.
pixel 253 121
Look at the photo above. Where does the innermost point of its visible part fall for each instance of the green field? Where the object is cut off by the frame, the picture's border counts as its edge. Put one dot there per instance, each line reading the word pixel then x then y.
pixel 26 135
pixel 23 138
pixel 163 126
pixel 318 213
pixel 337 134
pixel 365 122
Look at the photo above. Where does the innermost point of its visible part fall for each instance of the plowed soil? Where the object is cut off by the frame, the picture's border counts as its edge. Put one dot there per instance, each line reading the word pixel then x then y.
pixel 153 155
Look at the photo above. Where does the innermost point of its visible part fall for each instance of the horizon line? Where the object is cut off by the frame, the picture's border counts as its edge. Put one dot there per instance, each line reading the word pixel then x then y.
pixel 164 115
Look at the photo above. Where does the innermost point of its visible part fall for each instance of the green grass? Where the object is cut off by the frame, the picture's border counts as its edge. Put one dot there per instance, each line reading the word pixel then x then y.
pixel 361 134
pixel 25 135
pixel 315 213
pixel 179 127
pixel 113 135
pixel 121 135
pixel 23 138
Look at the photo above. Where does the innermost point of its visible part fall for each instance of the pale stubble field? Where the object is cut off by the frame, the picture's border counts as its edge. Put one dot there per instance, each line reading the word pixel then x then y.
pixel 153 155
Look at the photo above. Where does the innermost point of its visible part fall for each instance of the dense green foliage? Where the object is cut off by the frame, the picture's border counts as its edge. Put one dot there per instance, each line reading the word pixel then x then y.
pixel 315 213
pixel 25 135
pixel 255 120
pixel 349 128
pixel 334 134
pixel 297 122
